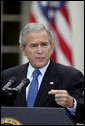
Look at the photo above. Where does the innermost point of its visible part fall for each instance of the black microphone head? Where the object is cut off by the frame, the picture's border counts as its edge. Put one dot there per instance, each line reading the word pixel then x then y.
pixel 26 81
pixel 12 79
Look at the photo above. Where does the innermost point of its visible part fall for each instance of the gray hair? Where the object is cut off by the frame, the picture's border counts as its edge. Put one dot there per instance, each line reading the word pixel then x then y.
pixel 33 27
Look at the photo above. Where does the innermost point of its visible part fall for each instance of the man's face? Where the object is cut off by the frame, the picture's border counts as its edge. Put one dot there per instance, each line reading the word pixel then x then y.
pixel 38 49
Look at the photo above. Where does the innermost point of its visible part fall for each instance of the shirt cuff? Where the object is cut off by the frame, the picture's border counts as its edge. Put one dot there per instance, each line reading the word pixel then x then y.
pixel 73 110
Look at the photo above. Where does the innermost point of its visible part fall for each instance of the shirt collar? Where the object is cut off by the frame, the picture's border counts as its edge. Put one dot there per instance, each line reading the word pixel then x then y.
pixel 42 69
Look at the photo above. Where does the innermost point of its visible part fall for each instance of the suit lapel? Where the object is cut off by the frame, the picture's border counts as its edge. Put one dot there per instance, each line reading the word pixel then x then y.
pixel 21 74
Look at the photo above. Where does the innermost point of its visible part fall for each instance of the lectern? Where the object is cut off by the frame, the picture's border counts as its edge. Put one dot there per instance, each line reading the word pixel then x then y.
pixel 35 116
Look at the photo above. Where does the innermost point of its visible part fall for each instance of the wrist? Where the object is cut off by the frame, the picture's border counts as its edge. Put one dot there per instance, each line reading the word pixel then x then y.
pixel 72 103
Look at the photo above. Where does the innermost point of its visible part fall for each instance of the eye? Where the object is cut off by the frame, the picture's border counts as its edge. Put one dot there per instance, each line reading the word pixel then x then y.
pixel 33 45
pixel 44 44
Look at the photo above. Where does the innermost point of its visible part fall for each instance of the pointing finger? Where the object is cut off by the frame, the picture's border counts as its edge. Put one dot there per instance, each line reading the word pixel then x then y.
pixel 52 91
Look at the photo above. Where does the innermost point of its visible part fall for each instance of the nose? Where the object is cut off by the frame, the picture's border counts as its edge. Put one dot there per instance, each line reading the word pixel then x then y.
pixel 39 49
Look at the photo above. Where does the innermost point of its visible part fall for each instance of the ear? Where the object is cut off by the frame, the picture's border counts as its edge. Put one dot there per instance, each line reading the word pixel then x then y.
pixel 22 48
pixel 52 47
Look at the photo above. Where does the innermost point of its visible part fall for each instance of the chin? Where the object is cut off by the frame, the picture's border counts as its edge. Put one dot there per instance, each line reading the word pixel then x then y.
pixel 40 65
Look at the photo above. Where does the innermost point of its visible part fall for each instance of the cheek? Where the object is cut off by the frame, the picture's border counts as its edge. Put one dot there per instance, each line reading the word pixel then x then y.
pixel 27 53
pixel 30 55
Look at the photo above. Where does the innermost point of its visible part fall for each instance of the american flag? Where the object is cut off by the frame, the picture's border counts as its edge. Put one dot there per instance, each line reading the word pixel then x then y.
pixel 55 16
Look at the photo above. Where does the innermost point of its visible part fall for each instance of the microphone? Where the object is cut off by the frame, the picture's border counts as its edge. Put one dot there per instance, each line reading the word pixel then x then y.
pixel 11 81
pixel 23 84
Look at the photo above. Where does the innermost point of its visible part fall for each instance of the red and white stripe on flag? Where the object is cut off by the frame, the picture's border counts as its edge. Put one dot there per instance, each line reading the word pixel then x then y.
pixel 55 16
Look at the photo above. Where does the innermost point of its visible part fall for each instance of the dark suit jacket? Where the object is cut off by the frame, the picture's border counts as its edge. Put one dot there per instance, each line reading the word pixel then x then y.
pixel 64 78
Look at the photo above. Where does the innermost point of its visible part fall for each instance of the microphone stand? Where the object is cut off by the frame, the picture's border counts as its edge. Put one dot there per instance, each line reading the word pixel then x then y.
pixel 9 96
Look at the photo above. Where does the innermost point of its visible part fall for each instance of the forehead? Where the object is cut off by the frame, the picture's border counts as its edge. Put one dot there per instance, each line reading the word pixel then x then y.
pixel 37 34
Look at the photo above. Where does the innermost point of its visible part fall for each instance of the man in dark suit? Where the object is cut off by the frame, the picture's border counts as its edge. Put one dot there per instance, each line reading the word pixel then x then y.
pixel 59 85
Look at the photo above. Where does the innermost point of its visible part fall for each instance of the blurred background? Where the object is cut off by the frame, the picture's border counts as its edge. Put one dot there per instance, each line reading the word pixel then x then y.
pixel 16 14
